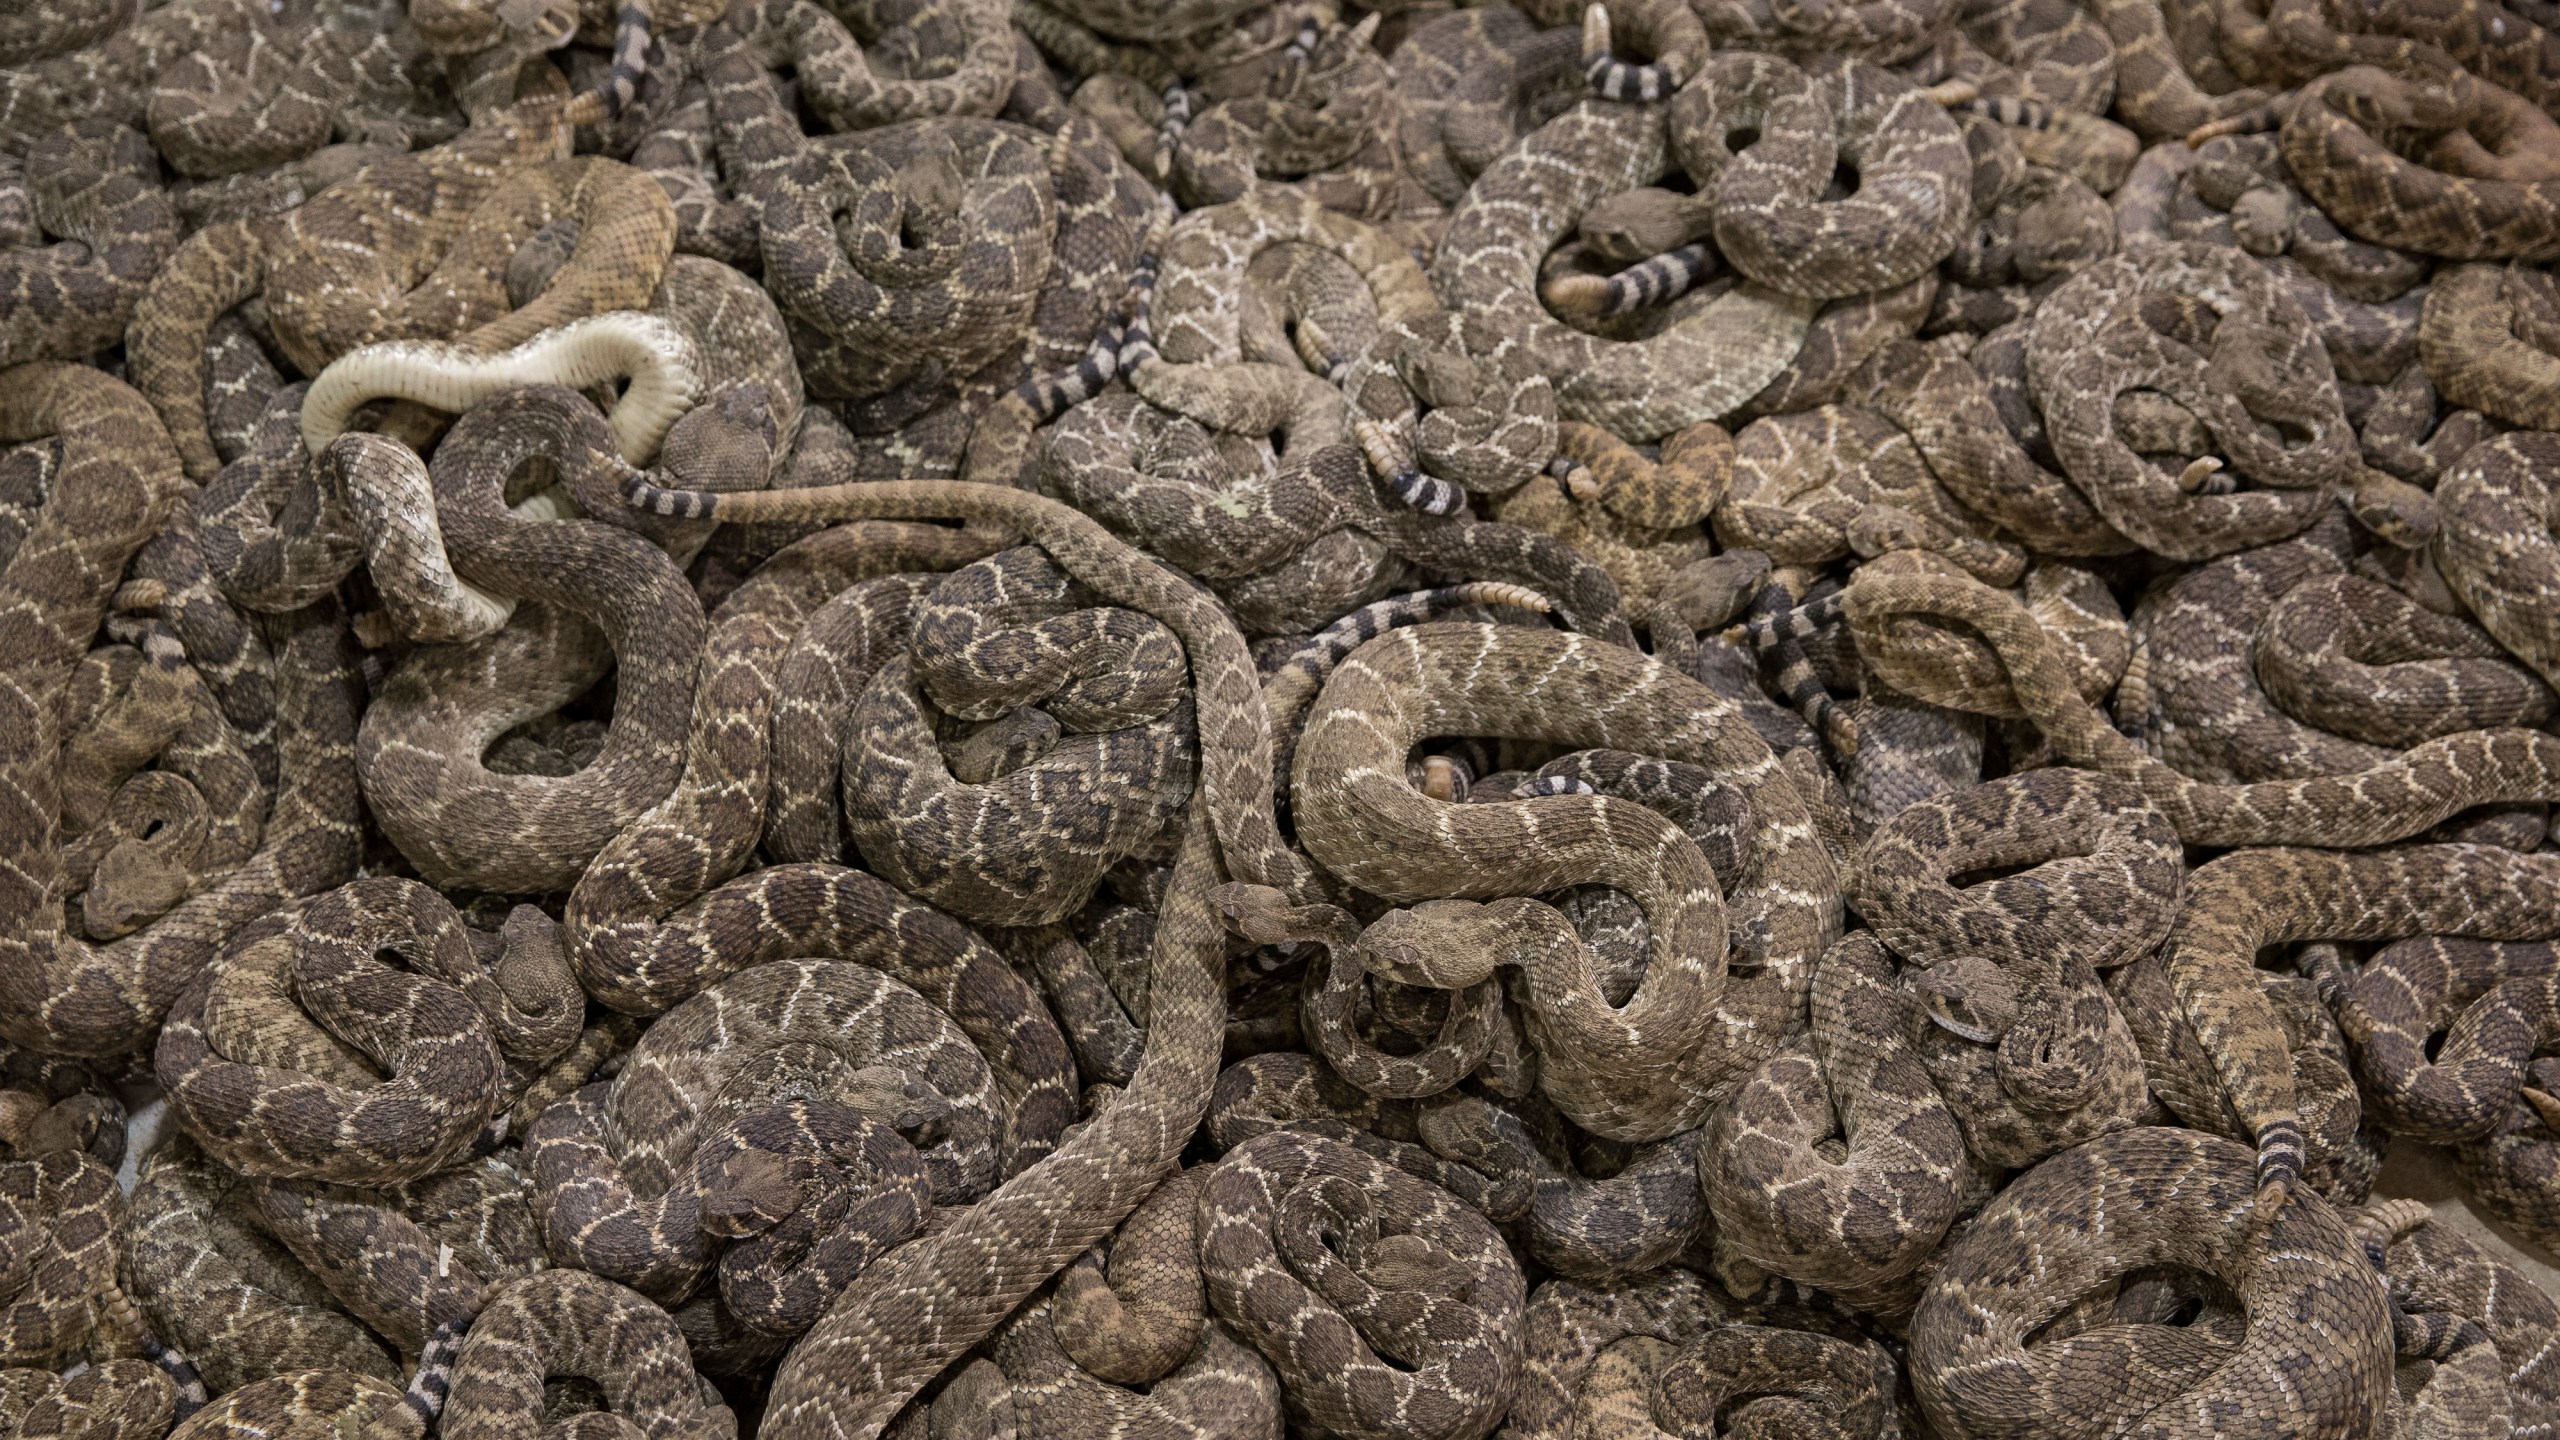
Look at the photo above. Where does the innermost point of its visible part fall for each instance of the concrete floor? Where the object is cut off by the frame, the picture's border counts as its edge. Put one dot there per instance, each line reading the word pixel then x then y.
pixel 2425 1172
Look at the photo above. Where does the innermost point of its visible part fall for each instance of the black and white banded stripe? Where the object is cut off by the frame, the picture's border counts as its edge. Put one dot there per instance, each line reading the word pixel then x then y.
pixel 1049 396
pixel 1615 79
pixel 170 1360
pixel 1428 494
pixel 2282 1152
pixel 631 33
pixel 182 1374
pixel 2008 110
pixel 1327 647
pixel 1177 119
pixel 1664 278
pixel 432 1384
pixel 1393 461
pixel 1138 336
pixel 1777 628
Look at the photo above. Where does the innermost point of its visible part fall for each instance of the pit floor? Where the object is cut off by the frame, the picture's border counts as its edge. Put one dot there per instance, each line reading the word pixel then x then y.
pixel 2425 1172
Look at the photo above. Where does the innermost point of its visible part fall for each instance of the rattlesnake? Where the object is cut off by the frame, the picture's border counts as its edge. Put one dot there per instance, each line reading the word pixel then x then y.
pixel 2485 339
pixel 420 750
pixel 2024 1043
pixel 1637 1073
pixel 2448 1285
pixel 1276 538
pixel 2451 889
pixel 1020 844
pixel 2509 1173
pixel 116 481
pixel 564 1322
pixel 63 1213
pixel 1235 735
pixel 1770 219
pixel 2491 1002
pixel 2374 193
pixel 840 646
pixel 1450 414
pixel 1488 266
pixel 1951 412
pixel 2091 341
pixel 334 269
pixel 957 56
pixel 1438 1289
pixel 39 34
pixel 1322 131
pixel 651 922
pixel 2315 1358
pixel 94 186
pixel 269 1101
pixel 413 1262
pixel 1857 1224
pixel 1471 82
pixel 978 196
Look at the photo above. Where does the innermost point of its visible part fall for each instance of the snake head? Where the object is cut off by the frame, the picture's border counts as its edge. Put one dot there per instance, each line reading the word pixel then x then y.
pixel 1413 1264
pixel 931 181
pixel 991 750
pixel 1468 1130
pixel 1639 224
pixel 542 1007
pixel 134 887
pixel 1444 944
pixel 538 259
pixel 752 1176
pixel 2263 220
pixel 894 1096
pixel 1475 413
pixel 730 442
pixel 1264 916
pixel 2066 225
pixel 158 822
pixel 1967 996
pixel 2376 99
pixel 2230 166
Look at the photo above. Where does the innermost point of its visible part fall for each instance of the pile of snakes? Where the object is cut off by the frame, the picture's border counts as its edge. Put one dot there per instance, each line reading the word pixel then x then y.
pixel 1165 719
